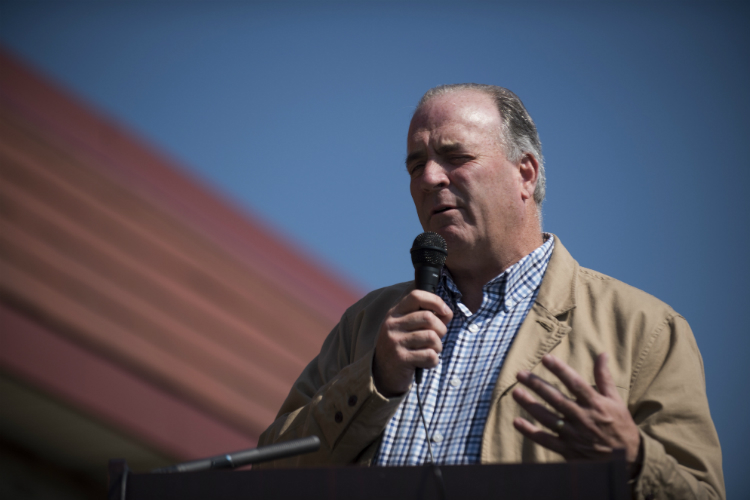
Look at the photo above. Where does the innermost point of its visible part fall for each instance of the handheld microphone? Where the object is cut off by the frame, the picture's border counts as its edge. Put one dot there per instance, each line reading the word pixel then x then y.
pixel 428 254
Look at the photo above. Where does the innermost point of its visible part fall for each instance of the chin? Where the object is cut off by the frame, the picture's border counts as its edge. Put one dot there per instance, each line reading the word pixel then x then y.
pixel 453 236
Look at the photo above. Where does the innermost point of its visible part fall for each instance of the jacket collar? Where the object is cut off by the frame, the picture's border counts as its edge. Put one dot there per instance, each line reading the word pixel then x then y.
pixel 557 294
pixel 544 326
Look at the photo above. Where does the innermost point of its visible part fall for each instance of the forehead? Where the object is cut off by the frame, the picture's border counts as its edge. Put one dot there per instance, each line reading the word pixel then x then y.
pixel 464 116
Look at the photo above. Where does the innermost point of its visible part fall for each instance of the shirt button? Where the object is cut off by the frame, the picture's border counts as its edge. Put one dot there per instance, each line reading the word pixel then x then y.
pixel 339 417
pixel 352 400
pixel 437 437
pixel 473 328
pixel 455 381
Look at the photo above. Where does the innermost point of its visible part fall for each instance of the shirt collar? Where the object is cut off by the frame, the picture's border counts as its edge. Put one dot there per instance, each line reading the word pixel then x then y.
pixel 515 283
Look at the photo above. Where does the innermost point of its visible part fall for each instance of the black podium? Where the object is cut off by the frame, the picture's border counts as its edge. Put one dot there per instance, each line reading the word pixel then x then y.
pixel 564 481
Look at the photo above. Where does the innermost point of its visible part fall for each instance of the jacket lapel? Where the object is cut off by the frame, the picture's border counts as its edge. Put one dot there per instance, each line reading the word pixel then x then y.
pixel 543 328
pixel 539 333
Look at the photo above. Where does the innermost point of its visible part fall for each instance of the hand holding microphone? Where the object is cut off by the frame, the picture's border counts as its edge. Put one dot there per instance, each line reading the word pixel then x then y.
pixel 409 337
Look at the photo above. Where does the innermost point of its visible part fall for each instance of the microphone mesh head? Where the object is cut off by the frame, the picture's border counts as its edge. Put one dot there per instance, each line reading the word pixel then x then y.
pixel 429 248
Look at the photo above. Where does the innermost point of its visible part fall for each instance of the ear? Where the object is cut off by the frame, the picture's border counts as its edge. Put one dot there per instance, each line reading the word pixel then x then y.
pixel 528 167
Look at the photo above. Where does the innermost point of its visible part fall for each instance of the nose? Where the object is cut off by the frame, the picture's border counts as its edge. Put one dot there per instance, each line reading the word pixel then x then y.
pixel 434 176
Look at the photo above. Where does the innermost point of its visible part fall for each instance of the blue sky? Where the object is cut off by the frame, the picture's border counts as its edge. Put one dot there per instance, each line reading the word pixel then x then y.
pixel 297 112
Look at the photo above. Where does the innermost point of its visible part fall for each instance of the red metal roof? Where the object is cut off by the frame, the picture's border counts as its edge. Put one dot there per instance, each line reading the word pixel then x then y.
pixel 185 315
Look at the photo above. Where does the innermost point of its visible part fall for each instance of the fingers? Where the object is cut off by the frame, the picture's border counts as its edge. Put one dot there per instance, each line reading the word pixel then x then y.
pixel 422 358
pixel 409 338
pixel 604 381
pixel 419 320
pixel 595 422
pixel 549 393
pixel 572 380
pixel 536 410
pixel 585 395
pixel 418 300
pixel 571 441
pixel 422 339
pixel 540 437
pixel 419 349
pixel 575 450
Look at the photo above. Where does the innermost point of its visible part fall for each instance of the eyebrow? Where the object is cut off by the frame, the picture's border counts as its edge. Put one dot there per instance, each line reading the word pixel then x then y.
pixel 449 148
pixel 413 156
pixel 441 150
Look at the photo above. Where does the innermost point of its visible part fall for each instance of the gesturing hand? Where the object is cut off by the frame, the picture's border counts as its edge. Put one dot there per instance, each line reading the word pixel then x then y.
pixel 409 338
pixel 590 426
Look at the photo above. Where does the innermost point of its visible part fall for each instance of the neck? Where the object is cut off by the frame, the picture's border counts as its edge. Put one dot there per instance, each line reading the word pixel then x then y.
pixel 472 269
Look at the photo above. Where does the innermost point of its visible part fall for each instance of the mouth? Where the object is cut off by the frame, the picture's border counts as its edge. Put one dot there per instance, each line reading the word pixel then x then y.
pixel 442 209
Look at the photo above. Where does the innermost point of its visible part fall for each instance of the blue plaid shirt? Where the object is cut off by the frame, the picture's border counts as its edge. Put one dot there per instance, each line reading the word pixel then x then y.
pixel 456 394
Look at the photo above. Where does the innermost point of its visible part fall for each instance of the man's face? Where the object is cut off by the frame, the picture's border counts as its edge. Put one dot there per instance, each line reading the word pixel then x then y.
pixel 462 185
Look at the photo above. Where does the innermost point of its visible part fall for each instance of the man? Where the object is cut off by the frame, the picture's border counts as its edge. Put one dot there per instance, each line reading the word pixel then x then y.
pixel 514 314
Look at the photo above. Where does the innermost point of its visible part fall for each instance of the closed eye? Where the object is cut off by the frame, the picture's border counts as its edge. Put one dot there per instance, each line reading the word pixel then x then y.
pixel 414 168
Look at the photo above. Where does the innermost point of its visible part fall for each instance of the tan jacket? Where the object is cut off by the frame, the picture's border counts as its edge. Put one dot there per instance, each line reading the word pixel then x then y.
pixel 578 314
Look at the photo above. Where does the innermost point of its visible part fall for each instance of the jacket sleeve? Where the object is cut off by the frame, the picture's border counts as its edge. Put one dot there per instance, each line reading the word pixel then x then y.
pixel 681 451
pixel 335 398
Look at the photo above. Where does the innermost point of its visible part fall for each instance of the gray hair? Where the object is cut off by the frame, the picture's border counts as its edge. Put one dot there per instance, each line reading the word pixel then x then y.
pixel 518 135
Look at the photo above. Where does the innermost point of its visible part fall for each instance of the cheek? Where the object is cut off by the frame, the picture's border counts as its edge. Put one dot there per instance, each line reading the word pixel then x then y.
pixel 417 197
pixel 415 192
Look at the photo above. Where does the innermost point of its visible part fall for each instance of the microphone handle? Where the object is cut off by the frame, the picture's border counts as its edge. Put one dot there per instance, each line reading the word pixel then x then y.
pixel 425 278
